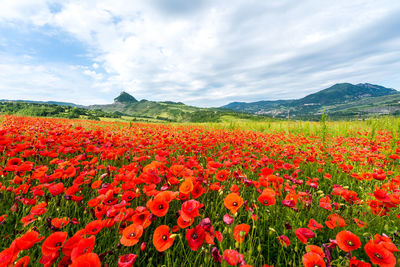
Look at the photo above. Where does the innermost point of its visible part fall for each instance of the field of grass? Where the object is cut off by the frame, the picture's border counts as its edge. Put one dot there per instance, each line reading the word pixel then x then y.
pixel 234 193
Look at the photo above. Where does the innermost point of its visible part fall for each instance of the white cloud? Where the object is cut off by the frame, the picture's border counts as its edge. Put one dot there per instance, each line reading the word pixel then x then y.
pixel 211 52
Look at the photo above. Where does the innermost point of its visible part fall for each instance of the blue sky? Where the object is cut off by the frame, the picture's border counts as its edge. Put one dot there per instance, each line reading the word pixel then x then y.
pixel 203 52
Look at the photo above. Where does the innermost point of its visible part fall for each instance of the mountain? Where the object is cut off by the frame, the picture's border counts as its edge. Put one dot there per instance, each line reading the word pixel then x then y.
pixel 124 97
pixel 127 105
pixel 343 99
pixel 345 92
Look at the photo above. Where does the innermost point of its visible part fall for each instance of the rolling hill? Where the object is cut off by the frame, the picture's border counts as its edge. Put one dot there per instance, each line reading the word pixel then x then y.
pixel 340 100
pixel 126 104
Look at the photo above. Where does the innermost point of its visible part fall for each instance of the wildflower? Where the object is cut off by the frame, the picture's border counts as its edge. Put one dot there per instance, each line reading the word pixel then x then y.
pixel 347 241
pixel 162 239
pixel 131 235
pixel 127 260
pixel 233 202
pixel 195 237
pixel 312 259
pixel 240 232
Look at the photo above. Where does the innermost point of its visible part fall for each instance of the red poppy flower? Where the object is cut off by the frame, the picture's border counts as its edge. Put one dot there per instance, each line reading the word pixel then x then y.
pixel 127 260
pixel 190 209
pixel 232 257
pixel 28 240
pixel 315 249
pixel 59 222
pixel 94 227
pixel 56 189
pixel 22 262
pixel 284 240
pixel 141 216
pixel 87 260
pixel 198 190
pixel 71 243
pixel 347 241
pixel 9 255
pixel 357 263
pixel 335 220
pixel 303 234
pixel 131 235
pixel 53 243
pixel 379 254
pixel 162 239
pixel 28 219
pixel 85 245
pixel 314 225
pixel 39 209
pixel 386 242
pixel 195 237
pixel 222 175
pixel 240 232
pixel 233 202
pixel 312 259
pixel 158 206
pixel 184 224
pixel 267 197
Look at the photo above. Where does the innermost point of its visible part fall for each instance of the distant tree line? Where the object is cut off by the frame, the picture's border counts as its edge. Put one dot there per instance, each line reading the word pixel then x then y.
pixel 53 110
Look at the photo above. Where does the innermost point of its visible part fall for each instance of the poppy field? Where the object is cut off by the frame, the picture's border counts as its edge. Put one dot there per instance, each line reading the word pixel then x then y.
pixel 93 193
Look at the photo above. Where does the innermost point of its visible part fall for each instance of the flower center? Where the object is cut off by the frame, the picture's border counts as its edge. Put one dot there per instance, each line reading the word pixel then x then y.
pixel 265 201
pixel 379 256
pixel 195 236
pixel 164 237
pixel 132 235
pixel 58 244
pixel 235 204
pixel 161 206
pixel 350 243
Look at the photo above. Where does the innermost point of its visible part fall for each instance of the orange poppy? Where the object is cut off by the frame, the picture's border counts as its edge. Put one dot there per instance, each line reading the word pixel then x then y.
pixel 160 204
pixel 312 259
pixel 141 216
pixel 162 239
pixel 347 241
pixel 315 249
pixel 183 224
pixel 186 187
pixel 240 232
pixel 233 202
pixel 131 235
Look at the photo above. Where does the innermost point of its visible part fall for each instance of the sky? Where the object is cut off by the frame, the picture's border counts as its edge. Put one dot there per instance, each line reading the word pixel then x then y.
pixel 204 53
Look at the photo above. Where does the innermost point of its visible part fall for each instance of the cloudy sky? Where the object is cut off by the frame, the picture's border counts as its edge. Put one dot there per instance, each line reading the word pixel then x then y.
pixel 200 52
